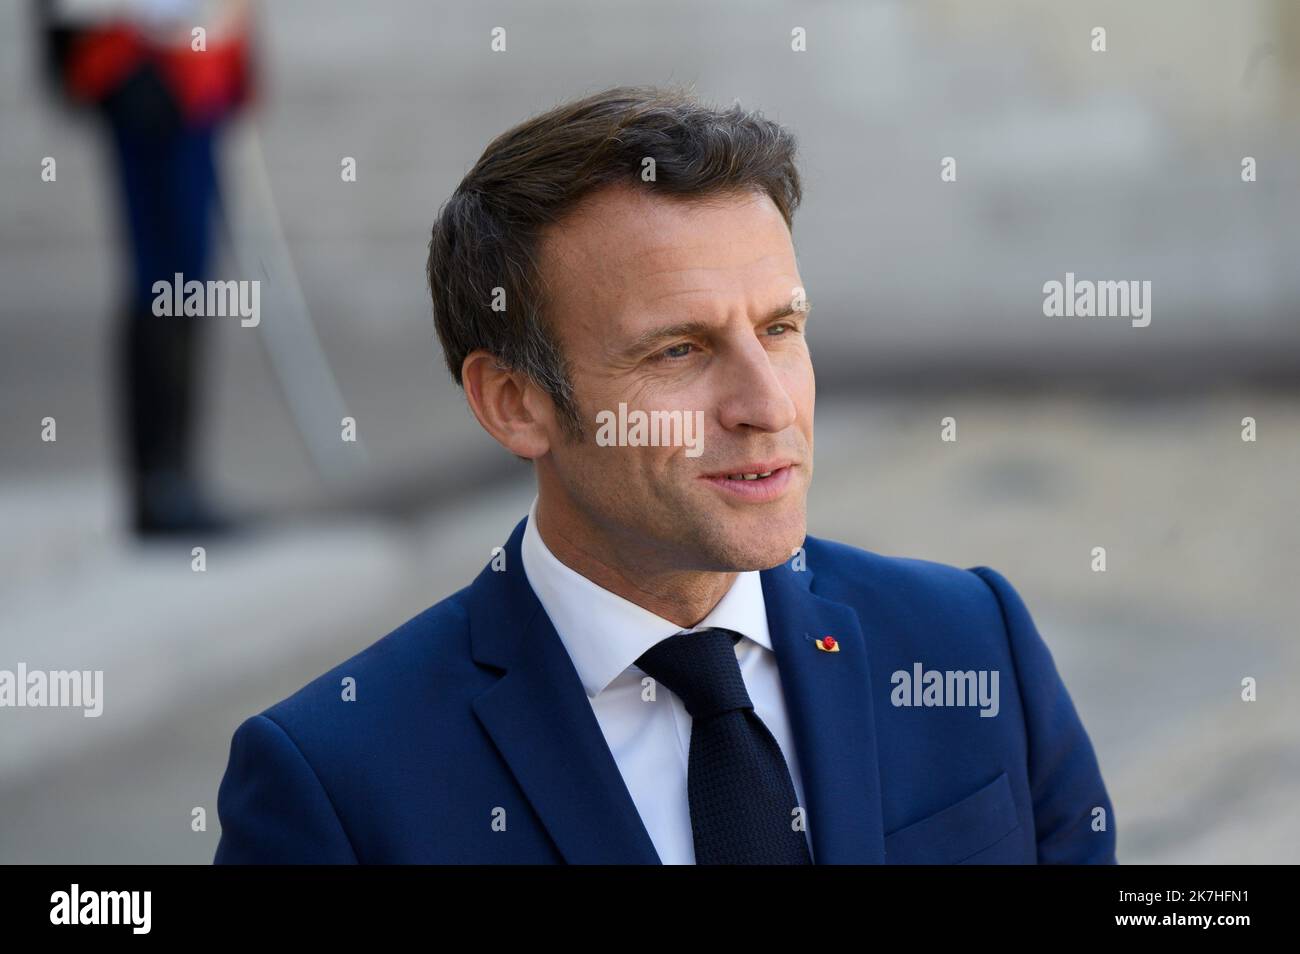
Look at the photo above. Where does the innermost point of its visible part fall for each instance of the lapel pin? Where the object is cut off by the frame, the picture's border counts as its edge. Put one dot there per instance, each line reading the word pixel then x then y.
pixel 828 644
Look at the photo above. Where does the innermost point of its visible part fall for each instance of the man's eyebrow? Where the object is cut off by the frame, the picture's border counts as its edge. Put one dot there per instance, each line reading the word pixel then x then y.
pixel 788 309
pixel 647 339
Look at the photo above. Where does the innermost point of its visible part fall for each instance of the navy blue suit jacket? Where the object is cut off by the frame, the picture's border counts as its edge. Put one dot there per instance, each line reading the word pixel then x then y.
pixel 472 711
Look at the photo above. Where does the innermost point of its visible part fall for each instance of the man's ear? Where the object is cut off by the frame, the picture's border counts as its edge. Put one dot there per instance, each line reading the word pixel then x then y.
pixel 508 404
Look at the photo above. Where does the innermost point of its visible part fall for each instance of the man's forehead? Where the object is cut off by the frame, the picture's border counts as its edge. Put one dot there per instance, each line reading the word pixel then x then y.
pixel 623 244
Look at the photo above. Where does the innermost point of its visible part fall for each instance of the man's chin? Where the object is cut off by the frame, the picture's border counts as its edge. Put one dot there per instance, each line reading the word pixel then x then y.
pixel 756 545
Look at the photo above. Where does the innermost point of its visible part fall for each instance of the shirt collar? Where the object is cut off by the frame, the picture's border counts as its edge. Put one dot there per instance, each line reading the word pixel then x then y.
pixel 605 633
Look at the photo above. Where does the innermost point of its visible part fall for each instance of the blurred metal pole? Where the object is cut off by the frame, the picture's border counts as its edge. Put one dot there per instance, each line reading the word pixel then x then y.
pixel 252 223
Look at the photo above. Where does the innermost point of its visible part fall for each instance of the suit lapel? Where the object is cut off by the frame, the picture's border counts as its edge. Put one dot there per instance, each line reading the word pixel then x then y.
pixel 541 721
pixel 828 697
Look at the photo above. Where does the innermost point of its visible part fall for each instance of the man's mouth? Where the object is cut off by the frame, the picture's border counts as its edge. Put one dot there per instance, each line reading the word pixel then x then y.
pixel 757 481
pixel 751 469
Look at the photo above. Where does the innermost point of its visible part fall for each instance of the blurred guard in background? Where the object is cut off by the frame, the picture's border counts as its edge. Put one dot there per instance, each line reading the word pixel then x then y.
pixel 162 91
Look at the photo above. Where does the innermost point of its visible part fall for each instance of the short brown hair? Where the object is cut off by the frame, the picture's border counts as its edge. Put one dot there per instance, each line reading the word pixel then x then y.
pixel 487 234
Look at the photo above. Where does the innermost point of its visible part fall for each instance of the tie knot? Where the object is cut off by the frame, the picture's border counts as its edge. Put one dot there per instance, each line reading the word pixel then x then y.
pixel 701 668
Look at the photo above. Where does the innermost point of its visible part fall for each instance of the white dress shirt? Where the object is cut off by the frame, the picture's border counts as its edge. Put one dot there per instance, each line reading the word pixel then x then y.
pixel 604 635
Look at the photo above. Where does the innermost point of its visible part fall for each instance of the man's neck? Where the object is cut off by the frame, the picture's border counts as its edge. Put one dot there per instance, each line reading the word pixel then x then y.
pixel 683 597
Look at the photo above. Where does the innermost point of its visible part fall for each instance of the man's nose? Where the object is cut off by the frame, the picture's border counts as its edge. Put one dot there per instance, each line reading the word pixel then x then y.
pixel 754 393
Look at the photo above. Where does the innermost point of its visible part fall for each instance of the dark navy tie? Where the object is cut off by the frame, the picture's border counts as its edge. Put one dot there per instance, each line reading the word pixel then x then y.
pixel 741 796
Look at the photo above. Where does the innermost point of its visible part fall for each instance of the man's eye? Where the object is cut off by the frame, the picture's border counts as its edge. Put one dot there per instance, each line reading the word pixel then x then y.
pixel 782 326
pixel 674 352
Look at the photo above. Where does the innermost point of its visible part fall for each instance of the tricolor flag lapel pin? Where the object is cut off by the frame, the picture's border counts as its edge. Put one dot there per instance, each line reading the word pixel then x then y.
pixel 828 644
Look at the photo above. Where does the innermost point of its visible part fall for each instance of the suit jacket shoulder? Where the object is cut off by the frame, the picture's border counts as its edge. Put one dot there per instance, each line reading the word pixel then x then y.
pixel 363 758
pixel 924 616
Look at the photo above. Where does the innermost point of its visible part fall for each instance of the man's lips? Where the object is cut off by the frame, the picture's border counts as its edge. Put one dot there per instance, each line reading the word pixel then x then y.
pixel 753 467
pixel 758 490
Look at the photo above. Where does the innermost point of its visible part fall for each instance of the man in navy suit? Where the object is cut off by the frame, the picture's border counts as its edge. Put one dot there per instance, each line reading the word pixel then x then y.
pixel 660 665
